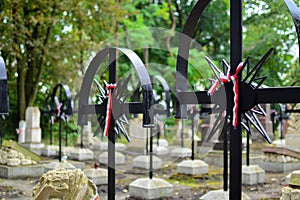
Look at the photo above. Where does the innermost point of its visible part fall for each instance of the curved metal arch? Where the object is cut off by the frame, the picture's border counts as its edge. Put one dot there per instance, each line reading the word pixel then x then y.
pixel 295 13
pixel 183 51
pixel 92 69
pixel 166 87
pixel 4 102
pixel 68 102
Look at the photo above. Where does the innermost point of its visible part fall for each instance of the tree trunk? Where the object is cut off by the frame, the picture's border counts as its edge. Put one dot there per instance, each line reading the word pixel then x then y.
pixel 173 25
pixel 21 89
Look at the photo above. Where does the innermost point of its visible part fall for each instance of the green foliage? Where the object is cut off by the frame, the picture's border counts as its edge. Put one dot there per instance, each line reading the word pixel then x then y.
pixel 266 25
pixel 48 42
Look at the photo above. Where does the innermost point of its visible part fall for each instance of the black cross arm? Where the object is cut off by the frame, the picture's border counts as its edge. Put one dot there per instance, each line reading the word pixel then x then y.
pixel 198 97
pixel 277 95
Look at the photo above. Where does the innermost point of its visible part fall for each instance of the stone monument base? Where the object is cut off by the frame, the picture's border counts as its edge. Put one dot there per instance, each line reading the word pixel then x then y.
pixel 30 171
pixel 161 142
pixel 215 157
pixel 292 141
pixel 160 150
pixel 98 176
pixel 220 195
pixel 252 175
pixel 119 158
pixel 145 188
pixel 50 150
pixel 143 162
pixel 192 167
pixel 58 165
pixel 102 146
pixel 81 154
pixel 34 147
pixel 181 152
pixel 280 167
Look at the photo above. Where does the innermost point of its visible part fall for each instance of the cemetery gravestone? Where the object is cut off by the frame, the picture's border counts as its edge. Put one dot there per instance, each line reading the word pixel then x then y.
pixel 292 138
pixel 33 136
pixel 65 184
pixel 21 131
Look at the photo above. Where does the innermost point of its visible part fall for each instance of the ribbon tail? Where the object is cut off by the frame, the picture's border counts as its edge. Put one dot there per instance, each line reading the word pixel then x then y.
pixel 108 115
pixel 236 101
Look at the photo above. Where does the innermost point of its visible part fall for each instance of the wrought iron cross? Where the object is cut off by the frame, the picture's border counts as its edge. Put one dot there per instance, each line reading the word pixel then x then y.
pixel 248 96
pixel 60 106
pixel 3 93
pixel 119 107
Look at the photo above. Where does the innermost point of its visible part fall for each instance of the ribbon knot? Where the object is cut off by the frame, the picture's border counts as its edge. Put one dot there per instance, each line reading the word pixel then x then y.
pixel 109 88
pixel 19 131
pixel 226 79
pixel 59 109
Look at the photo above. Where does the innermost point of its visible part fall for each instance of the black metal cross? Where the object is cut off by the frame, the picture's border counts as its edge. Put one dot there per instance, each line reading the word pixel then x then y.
pixel 3 93
pixel 61 106
pixel 119 108
pixel 248 97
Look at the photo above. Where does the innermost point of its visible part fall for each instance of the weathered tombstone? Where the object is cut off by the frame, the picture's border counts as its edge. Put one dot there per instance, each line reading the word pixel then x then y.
pixel 181 152
pixel 21 131
pixel 33 130
pixel 65 184
pixel 33 136
pixel 266 123
pixel 18 162
pixel 138 134
pixel 292 138
pixel 283 158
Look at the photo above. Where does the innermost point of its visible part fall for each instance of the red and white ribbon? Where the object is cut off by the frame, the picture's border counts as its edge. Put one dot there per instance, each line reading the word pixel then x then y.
pixel 52 119
pixel 19 131
pixel 59 109
pixel 109 89
pixel 225 79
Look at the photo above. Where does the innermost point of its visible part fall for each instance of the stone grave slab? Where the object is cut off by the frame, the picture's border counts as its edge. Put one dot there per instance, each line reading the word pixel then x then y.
pixel 192 167
pixel 252 175
pixel 279 166
pixel 58 165
pixel 81 154
pixel 99 176
pixel 143 162
pixel 29 171
pixel 18 162
pixel 280 159
pixel 145 188
pixel 119 158
pixel 215 157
